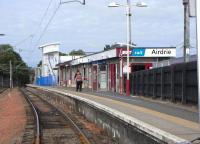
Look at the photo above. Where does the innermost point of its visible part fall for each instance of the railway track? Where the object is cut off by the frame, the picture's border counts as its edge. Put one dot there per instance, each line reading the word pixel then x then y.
pixel 2 90
pixel 50 125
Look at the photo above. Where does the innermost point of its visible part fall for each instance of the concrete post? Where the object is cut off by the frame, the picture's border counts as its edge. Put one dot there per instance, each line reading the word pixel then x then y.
pixel 186 49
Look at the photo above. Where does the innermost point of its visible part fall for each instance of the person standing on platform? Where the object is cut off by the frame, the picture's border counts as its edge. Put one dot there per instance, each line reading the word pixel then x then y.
pixel 79 81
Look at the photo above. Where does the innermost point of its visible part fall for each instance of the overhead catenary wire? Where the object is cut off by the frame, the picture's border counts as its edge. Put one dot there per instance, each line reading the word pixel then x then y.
pixel 33 34
pixel 37 29
pixel 22 41
pixel 49 22
pixel 43 17
pixel 53 15
pixel 43 32
pixel 41 21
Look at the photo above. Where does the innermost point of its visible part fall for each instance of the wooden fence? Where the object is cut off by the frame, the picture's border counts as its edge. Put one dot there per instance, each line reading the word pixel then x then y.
pixel 177 82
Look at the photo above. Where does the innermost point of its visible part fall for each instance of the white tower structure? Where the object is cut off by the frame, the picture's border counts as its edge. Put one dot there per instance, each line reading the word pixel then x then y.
pixel 50 57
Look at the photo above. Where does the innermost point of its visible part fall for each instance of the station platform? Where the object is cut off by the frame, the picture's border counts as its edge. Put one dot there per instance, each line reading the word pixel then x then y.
pixel 174 123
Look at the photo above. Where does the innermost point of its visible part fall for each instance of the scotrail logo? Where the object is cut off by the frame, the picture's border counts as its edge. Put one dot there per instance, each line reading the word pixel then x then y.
pixel 139 52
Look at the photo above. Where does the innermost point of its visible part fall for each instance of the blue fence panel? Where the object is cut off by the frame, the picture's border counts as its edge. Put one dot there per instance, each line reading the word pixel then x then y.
pixel 46 81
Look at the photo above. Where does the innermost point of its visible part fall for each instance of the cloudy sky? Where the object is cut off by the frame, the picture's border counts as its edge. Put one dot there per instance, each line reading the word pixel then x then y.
pixel 89 27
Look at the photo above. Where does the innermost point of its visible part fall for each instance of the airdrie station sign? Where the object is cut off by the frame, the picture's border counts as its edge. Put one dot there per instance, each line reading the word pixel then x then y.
pixel 151 52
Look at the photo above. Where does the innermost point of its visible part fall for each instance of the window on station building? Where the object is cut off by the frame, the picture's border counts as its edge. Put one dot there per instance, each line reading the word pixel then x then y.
pixel 102 67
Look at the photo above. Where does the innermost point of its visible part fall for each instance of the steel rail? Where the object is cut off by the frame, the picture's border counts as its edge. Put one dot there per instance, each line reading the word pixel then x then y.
pixel 37 140
pixel 75 125
pixel 66 117
pixel 2 91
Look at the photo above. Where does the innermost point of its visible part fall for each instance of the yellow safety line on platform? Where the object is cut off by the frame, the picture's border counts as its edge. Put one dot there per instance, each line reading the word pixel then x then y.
pixel 170 118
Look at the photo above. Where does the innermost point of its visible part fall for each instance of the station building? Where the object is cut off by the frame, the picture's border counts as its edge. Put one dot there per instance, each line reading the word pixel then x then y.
pixel 106 70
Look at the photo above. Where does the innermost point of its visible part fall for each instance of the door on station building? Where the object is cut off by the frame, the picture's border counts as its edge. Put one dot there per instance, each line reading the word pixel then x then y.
pixel 102 77
pixel 94 75
pixel 112 77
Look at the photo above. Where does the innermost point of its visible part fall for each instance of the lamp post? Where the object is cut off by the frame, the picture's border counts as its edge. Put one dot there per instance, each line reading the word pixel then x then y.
pixel 186 49
pixel 198 50
pixel 128 32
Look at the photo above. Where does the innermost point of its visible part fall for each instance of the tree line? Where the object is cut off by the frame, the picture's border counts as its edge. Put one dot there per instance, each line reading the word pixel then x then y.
pixel 20 71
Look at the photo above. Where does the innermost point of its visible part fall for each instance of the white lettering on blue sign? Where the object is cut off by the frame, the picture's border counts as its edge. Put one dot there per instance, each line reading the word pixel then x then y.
pixel 138 52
